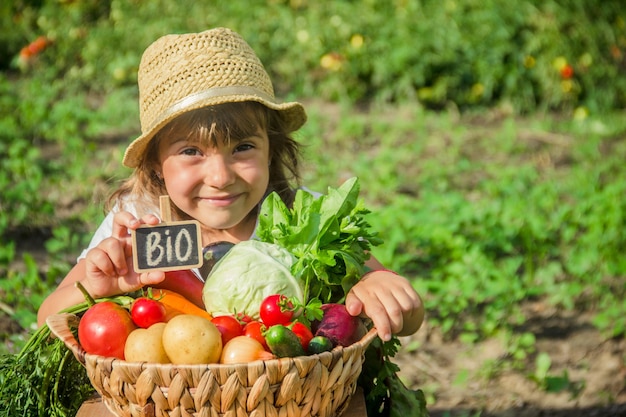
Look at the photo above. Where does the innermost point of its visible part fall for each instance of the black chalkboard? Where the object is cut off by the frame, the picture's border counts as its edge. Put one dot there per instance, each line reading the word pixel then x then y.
pixel 167 246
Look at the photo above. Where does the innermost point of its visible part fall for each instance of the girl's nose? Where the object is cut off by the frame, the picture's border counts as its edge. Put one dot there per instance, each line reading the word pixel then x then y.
pixel 220 173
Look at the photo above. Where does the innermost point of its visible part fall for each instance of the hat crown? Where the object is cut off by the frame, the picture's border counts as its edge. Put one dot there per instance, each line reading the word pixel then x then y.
pixel 176 67
pixel 182 73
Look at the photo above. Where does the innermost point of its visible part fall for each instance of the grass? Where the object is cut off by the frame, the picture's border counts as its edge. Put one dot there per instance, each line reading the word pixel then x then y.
pixel 482 208
pixel 482 211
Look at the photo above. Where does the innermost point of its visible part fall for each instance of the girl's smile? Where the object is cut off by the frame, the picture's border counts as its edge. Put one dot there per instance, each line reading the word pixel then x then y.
pixel 220 201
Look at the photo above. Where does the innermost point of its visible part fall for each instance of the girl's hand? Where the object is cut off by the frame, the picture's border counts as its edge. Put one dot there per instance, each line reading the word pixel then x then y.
pixel 109 266
pixel 389 301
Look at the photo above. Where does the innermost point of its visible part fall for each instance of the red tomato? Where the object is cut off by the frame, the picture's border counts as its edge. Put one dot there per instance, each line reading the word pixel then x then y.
pixel 145 312
pixel 303 332
pixel 243 318
pixel 104 328
pixel 567 72
pixel 38 45
pixel 273 310
pixel 255 329
pixel 228 326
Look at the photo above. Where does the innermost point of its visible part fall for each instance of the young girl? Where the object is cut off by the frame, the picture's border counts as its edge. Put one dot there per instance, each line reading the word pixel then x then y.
pixel 216 141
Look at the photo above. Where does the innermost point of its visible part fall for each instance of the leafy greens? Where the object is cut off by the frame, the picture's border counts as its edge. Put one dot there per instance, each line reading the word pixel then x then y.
pixel 43 379
pixel 328 235
pixel 331 240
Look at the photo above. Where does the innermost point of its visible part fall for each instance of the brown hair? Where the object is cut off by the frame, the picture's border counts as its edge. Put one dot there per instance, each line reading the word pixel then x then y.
pixel 226 122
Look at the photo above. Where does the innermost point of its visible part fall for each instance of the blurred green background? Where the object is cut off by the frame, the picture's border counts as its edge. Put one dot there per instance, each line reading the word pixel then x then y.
pixel 489 137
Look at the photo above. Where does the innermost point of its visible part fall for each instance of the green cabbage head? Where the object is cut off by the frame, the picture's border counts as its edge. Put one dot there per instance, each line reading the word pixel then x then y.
pixel 250 271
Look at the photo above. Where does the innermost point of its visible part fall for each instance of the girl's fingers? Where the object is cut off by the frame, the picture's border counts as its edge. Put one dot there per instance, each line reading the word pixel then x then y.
pixel 115 250
pixel 151 278
pixel 353 304
pixel 391 306
pixel 369 303
pixel 109 266
pixel 124 221
pixel 150 219
pixel 98 262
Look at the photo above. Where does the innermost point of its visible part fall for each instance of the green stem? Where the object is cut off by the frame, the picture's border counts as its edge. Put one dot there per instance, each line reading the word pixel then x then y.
pixel 55 393
pixel 86 294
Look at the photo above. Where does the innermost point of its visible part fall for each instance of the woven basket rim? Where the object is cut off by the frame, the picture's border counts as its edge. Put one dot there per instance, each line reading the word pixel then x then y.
pixel 59 325
pixel 319 384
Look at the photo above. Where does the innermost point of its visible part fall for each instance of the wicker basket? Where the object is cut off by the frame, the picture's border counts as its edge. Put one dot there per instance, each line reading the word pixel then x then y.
pixel 317 385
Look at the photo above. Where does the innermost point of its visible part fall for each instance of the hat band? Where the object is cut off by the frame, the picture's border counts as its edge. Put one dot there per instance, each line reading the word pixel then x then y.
pixel 200 96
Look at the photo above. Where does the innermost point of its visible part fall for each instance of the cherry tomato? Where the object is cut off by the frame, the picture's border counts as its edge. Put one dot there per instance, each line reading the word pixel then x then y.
pixel 303 332
pixel 273 312
pixel 228 326
pixel 146 311
pixel 104 328
pixel 567 72
pixel 255 329
pixel 243 318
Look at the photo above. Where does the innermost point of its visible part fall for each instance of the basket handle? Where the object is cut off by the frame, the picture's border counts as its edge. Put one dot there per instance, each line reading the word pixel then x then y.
pixel 368 338
pixel 59 325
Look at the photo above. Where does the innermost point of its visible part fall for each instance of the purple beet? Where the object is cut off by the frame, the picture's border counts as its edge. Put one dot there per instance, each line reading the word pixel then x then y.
pixel 339 326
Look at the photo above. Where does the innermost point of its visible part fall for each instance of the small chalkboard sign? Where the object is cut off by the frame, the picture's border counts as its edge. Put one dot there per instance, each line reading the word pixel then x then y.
pixel 168 245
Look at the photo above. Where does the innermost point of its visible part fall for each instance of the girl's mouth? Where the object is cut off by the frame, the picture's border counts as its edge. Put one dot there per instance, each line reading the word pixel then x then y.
pixel 221 201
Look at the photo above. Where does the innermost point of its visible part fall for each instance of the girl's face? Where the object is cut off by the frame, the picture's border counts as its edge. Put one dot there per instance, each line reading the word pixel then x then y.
pixel 217 184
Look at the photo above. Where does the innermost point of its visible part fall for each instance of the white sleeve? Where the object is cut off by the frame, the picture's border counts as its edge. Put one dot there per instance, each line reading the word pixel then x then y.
pixel 104 230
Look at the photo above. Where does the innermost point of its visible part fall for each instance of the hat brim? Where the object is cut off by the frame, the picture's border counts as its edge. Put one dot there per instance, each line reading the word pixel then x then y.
pixel 292 113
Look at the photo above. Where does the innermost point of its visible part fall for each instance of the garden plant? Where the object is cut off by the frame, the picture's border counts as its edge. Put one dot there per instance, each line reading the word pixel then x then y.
pixel 491 138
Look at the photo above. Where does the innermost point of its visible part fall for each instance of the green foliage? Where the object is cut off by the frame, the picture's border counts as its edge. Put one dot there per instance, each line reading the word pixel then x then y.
pixel 551 383
pixel 483 210
pixel 487 215
pixel 328 235
pixel 43 379
pixel 553 54
pixel 385 393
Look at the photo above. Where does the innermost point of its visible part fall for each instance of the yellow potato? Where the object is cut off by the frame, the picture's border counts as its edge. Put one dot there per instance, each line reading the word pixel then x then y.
pixel 190 339
pixel 146 345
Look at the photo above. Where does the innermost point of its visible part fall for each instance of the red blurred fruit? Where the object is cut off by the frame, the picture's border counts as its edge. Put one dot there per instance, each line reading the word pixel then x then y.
pixel 567 72
pixel 228 326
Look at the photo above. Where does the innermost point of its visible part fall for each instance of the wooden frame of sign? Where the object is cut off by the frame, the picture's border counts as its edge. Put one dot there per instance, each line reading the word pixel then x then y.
pixel 167 246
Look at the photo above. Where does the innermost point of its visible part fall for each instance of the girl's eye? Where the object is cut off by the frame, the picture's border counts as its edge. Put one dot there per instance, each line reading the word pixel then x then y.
pixel 190 151
pixel 243 147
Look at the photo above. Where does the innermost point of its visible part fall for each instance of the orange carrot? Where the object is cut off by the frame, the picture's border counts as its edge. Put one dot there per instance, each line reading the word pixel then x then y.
pixel 185 283
pixel 176 304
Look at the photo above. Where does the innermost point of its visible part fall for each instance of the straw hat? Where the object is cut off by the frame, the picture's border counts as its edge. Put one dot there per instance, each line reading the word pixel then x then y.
pixel 179 73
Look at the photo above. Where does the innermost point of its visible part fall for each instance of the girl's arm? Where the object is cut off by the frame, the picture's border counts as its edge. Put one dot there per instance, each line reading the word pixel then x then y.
pixel 107 270
pixel 64 296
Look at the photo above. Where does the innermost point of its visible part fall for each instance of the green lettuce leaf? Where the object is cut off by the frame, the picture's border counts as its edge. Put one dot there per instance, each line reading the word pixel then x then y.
pixel 328 235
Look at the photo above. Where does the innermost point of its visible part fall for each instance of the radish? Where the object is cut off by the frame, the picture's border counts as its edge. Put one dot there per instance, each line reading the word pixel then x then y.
pixel 339 326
